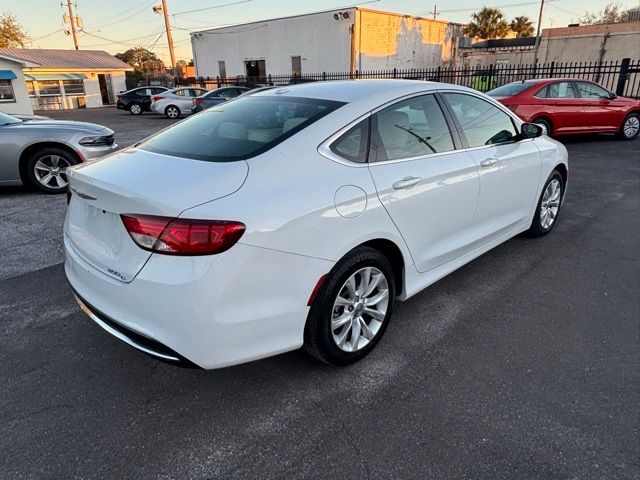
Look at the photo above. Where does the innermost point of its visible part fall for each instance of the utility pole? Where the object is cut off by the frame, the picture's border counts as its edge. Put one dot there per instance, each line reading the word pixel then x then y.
pixel 167 27
pixel 538 31
pixel 72 21
pixel 435 12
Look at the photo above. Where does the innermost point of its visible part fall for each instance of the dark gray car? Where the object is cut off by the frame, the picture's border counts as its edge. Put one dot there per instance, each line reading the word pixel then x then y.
pixel 38 151
pixel 216 97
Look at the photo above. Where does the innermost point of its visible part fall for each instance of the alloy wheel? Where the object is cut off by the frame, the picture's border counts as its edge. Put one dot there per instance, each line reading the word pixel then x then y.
pixel 135 109
pixel 51 171
pixel 172 112
pixel 631 127
pixel 550 204
pixel 359 309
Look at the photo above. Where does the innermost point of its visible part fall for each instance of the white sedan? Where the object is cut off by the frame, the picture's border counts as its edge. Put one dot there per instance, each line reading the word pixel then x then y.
pixel 176 102
pixel 298 216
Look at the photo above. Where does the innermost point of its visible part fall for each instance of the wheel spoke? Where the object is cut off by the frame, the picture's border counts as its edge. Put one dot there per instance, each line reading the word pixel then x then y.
pixel 369 302
pixel 372 285
pixel 58 181
pixel 46 179
pixel 55 161
pixel 351 287
pixel 343 302
pixel 374 313
pixel 366 331
pixel 355 335
pixel 340 321
pixel 365 277
pixel 41 166
pixel 342 338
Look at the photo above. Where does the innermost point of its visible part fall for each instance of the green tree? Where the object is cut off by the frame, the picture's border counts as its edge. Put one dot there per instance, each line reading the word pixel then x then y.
pixel 11 32
pixel 145 63
pixel 612 13
pixel 487 23
pixel 522 26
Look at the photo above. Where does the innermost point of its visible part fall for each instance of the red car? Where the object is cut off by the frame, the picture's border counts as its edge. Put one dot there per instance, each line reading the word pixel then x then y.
pixel 568 106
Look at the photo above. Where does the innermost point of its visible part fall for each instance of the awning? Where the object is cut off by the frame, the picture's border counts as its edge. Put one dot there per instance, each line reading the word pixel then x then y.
pixel 7 75
pixel 55 76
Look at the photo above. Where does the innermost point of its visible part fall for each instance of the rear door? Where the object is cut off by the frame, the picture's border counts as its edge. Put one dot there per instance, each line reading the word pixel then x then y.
pixel 428 186
pixel 565 108
pixel 509 167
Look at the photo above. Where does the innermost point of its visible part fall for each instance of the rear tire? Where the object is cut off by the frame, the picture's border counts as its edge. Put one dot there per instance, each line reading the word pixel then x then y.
pixel 135 109
pixel 546 123
pixel 630 127
pixel 172 112
pixel 46 169
pixel 352 309
pixel 548 207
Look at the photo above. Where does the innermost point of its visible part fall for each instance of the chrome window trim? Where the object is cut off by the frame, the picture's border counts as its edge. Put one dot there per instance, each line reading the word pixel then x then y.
pixel 325 150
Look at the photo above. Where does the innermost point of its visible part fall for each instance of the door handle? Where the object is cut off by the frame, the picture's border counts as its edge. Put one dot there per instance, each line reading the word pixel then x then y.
pixel 407 182
pixel 488 162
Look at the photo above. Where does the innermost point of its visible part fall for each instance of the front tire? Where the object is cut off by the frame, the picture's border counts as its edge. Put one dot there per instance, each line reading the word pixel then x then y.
pixel 46 169
pixel 630 127
pixel 135 109
pixel 172 112
pixel 548 208
pixel 352 309
pixel 546 123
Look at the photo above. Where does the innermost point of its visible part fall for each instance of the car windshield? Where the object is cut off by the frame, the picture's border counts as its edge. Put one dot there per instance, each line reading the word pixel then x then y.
pixel 8 119
pixel 239 129
pixel 510 89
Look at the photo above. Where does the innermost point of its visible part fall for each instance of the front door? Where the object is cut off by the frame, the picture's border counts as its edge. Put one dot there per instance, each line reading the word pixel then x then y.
pixel 509 167
pixel 104 89
pixel 602 112
pixel 429 188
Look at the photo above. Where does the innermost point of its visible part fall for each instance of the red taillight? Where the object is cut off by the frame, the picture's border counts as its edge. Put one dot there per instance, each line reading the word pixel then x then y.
pixel 118 97
pixel 155 99
pixel 182 236
pixel 198 101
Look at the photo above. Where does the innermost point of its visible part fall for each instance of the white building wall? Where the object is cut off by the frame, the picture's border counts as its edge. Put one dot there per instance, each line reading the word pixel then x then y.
pixel 92 91
pixel 118 82
pixel 22 103
pixel 323 43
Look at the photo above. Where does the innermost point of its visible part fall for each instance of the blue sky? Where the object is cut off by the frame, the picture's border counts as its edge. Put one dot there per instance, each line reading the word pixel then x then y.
pixel 117 25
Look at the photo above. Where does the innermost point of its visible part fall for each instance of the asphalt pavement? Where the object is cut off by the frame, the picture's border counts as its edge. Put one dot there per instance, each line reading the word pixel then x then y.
pixel 524 364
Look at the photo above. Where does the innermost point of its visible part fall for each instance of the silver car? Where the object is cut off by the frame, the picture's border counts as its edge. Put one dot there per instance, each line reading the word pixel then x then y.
pixel 38 151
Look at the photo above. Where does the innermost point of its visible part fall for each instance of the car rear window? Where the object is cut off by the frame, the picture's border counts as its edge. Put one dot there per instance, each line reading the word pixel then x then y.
pixel 510 89
pixel 239 129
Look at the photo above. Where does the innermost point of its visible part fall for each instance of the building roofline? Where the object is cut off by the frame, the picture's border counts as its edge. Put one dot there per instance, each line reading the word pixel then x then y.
pixel 20 61
pixel 353 7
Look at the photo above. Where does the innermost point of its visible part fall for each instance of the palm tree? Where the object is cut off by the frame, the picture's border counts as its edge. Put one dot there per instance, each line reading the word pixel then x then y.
pixel 487 23
pixel 522 26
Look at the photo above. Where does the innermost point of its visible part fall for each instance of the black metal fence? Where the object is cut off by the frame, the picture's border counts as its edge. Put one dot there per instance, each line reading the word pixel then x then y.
pixel 621 77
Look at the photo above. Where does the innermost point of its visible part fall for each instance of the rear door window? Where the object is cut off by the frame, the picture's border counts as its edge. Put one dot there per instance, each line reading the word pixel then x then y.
pixel 557 90
pixel 240 129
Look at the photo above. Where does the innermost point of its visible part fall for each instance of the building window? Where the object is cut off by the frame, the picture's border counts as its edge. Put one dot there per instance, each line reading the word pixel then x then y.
pixel 222 68
pixel 49 87
pixel 296 65
pixel 73 87
pixel 31 88
pixel 6 91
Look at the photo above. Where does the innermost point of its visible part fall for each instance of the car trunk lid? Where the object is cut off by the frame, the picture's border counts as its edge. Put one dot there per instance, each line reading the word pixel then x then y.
pixel 137 182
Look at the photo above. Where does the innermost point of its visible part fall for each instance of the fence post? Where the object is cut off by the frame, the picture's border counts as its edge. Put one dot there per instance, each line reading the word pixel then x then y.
pixel 439 74
pixel 623 76
pixel 395 72
pixel 357 74
pixel 218 81
pixel 552 68
pixel 270 80
pixel 324 76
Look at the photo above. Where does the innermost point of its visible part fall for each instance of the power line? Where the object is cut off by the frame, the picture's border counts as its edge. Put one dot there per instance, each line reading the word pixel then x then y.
pixel 138 9
pixel 211 8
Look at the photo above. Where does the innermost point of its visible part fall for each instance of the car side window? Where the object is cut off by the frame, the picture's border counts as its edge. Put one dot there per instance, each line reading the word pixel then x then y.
pixel 482 123
pixel 354 143
pixel 180 93
pixel 591 90
pixel 412 128
pixel 557 90
pixel 226 93
pixel 156 91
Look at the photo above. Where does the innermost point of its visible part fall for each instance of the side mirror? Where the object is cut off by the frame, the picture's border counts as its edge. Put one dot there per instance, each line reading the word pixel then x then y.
pixel 612 96
pixel 532 130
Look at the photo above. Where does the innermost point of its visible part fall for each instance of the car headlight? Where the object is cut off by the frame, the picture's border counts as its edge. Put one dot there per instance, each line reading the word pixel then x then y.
pixel 97 141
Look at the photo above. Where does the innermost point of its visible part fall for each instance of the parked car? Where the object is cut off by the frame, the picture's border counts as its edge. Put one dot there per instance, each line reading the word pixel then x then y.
pixel 176 102
pixel 568 106
pixel 38 152
pixel 299 215
pixel 216 97
pixel 137 100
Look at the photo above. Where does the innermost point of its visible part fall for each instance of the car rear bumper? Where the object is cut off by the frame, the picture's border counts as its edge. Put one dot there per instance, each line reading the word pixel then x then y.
pixel 214 311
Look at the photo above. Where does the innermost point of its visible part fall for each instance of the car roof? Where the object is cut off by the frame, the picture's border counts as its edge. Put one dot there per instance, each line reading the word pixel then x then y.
pixel 353 90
